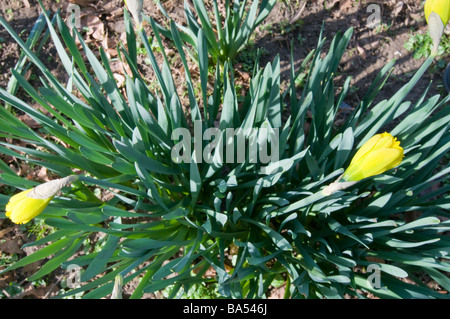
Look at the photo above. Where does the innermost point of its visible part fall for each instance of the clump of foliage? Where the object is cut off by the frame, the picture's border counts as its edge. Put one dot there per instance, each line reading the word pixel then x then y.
pixel 225 35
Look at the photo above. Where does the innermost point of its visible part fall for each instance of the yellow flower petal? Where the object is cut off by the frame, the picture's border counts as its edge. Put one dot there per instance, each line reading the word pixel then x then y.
pixel 375 163
pixel 377 141
pixel 14 200
pixel 27 209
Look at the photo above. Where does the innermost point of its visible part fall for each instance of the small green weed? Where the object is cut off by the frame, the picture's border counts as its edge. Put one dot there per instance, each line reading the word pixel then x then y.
pixel 421 45
pixel 12 290
pixel 39 229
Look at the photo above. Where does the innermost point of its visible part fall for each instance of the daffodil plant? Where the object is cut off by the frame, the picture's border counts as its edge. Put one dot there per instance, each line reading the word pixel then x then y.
pixel 336 199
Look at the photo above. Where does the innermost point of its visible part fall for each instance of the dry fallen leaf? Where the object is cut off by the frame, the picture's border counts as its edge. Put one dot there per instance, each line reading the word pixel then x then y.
pixel 96 27
pixel 398 8
pixel 120 79
pixel 344 5
pixel 330 4
pixel 83 3
pixel 11 246
pixel 361 51
pixel 28 121
pixel 42 174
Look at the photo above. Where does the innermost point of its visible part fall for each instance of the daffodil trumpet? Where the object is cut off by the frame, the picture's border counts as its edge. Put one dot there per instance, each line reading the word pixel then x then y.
pixel 29 203
pixel 380 153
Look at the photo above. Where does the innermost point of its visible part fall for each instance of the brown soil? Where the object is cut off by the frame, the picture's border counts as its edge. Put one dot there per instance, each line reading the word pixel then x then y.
pixel 291 22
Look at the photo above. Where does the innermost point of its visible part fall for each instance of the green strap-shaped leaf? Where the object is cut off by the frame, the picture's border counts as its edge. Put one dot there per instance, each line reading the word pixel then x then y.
pixel 59 258
pixel 277 238
pixel 151 164
pixel 203 65
pixel 100 261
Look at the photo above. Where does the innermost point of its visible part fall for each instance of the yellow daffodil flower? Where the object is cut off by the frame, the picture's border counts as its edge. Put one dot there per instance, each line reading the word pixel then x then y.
pixel 379 154
pixel 437 14
pixel 29 203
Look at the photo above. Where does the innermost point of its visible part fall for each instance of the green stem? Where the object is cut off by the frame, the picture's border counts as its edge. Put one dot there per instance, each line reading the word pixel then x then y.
pixel 287 291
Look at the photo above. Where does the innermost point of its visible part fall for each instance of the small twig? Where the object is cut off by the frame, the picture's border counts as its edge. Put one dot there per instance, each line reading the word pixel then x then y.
pixel 299 13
